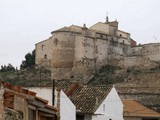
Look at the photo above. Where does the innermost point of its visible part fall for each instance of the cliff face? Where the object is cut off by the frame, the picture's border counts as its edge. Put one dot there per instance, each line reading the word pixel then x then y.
pixel 140 84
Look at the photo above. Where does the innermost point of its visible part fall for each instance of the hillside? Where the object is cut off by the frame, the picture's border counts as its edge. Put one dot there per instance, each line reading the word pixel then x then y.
pixel 140 84
pixel 28 77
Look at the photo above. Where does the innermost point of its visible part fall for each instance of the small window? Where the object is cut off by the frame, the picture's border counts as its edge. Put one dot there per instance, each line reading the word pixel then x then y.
pixel 31 114
pixel 56 41
pixel 110 119
pixel 104 107
pixel 123 41
pixel 45 56
pixel 120 35
pixel 42 47
pixel 115 31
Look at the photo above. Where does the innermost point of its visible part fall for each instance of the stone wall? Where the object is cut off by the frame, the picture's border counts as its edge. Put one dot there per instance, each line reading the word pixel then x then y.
pixel 44 53
pixel 148 51
pixel 78 52
pixel 136 61
pixel 151 51
pixel 11 114
pixel 63 50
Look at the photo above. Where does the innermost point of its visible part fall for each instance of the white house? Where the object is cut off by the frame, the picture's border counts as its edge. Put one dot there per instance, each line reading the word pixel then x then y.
pixel 67 110
pixel 98 103
pixel 84 102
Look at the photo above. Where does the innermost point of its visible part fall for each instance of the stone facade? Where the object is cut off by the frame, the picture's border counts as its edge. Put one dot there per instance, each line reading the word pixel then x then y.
pixel 148 51
pixel 143 56
pixel 79 52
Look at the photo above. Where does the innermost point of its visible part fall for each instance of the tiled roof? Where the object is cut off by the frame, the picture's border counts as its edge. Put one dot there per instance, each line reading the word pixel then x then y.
pixel 65 85
pixel 88 99
pixel 133 108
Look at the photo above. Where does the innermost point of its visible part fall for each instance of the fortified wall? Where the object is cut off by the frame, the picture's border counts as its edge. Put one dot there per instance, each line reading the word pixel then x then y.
pixel 143 56
pixel 76 52
pixel 79 52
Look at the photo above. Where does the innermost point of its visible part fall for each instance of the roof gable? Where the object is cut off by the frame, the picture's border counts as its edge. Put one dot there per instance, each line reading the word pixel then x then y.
pixel 73 28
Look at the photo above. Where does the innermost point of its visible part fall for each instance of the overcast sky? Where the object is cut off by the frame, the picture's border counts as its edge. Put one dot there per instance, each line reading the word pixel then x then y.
pixel 26 22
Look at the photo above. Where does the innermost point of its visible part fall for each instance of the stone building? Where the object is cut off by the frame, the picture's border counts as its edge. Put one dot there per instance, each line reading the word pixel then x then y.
pixel 143 56
pixel 17 103
pixel 79 52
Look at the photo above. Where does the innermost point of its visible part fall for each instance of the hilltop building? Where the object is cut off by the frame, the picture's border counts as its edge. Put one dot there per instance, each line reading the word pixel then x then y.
pixel 79 52
pixel 76 52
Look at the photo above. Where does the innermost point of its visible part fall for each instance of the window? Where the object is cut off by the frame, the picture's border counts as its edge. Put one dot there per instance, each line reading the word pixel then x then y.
pixel 45 56
pixel 55 41
pixel 115 31
pixel 120 35
pixel 79 117
pixel 110 119
pixel 31 114
pixel 42 47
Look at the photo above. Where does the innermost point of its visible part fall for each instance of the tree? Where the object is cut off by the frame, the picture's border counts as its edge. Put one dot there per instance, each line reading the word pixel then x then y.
pixel 29 60
pixel 5 68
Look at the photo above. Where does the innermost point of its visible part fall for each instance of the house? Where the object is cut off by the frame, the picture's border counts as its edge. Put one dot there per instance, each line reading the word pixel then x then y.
pixel 66 110
pixel 87 102
pixel 17 103
pixel 97 103
pixel 133 110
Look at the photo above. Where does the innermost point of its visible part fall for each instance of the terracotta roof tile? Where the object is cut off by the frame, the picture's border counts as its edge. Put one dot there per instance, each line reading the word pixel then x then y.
pixel 135 109
pixel 88 99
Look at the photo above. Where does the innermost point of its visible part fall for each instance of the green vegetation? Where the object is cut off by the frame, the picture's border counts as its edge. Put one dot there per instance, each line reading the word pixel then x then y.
pixel 8 68
pixel 107 75
pixel 30 60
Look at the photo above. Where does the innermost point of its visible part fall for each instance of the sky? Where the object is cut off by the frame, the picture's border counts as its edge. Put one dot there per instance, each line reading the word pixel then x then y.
pixel 23 23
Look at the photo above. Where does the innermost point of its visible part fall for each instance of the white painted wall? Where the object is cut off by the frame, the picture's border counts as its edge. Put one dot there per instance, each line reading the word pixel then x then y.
pixel 43 92
pixel 67 108
pixel 111 108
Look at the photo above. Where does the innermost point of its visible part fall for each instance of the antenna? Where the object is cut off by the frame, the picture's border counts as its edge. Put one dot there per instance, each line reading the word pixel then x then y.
pixel 107 19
